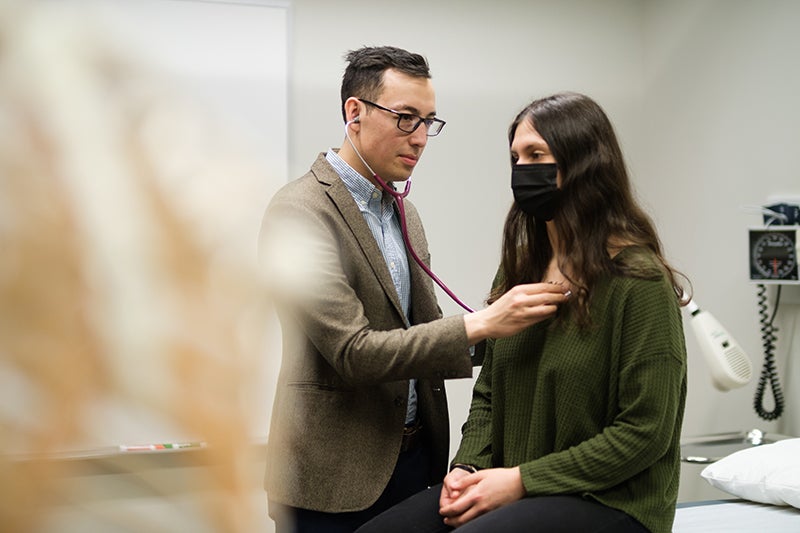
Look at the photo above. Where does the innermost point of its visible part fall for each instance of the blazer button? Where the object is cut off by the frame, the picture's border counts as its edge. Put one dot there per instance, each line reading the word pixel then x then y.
pixel 399 401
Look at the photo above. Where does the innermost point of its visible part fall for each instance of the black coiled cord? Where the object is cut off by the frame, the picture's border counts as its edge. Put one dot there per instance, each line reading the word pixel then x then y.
pixel 768 371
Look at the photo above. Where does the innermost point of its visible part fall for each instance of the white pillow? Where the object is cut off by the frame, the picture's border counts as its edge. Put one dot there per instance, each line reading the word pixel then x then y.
pixel 769 473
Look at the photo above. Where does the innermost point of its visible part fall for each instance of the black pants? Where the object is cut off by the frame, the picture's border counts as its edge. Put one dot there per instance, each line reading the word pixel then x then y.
pixel 542 514
pixel 410 477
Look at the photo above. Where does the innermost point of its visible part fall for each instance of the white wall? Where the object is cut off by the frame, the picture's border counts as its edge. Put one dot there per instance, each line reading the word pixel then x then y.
pixel 701 93
pixel 722 125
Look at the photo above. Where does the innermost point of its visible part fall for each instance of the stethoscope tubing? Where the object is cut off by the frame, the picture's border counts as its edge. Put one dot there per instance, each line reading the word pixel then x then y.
pixel 398 198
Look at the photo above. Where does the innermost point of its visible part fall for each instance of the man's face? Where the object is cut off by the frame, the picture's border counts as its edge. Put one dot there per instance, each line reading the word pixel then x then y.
pixel 390 152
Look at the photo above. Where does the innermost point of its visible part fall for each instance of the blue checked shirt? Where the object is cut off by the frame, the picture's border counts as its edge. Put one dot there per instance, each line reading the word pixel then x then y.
pixel 379 213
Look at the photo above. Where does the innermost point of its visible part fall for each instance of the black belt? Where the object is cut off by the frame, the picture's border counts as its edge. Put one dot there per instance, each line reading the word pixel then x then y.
pixel 412 437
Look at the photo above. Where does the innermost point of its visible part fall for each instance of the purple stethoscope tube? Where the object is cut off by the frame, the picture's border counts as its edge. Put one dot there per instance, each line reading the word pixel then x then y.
pixel 398 197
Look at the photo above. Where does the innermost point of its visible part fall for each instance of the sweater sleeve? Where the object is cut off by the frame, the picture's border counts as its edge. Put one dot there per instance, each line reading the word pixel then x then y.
pixel 648 336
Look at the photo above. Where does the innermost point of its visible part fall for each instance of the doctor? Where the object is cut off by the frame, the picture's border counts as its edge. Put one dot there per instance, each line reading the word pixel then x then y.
pixel 360 416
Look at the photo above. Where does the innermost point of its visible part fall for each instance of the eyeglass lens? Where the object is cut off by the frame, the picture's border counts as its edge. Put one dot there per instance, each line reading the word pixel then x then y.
pixel 409 123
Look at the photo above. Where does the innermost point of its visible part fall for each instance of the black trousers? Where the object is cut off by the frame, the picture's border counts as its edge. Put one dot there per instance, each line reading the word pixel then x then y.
pixel 542 514
pixel 410 477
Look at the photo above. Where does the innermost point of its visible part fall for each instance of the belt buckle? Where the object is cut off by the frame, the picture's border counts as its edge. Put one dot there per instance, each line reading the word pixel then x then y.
pixel 410 437
pixel 410 430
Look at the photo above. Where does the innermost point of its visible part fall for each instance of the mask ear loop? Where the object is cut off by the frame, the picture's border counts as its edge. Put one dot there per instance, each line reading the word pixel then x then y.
pixel 398 197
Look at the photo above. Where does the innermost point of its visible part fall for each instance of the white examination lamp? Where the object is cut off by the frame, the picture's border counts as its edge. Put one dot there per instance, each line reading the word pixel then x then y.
pixel 730 367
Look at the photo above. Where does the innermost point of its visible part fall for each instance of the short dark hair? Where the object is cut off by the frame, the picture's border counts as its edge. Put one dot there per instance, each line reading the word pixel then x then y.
pixel 363 77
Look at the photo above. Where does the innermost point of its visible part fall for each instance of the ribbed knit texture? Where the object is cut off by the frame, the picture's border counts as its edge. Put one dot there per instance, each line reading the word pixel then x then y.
pixel 594 412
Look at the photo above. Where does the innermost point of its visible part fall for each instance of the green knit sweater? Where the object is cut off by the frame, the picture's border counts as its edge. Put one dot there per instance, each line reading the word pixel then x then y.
pixel 594 412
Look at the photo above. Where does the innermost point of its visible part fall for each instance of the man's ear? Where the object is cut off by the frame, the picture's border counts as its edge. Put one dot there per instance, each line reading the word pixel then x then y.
pixel 352 109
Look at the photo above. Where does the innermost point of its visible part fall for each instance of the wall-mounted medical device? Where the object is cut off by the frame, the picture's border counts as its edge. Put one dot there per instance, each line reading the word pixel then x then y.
pixel 729 366
pixel 773 255
pixel 773 251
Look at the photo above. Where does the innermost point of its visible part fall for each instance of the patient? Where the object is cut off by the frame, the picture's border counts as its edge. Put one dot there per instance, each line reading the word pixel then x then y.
pixel 575 422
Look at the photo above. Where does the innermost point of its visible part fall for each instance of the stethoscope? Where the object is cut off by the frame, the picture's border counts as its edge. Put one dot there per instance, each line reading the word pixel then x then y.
pixel 398 197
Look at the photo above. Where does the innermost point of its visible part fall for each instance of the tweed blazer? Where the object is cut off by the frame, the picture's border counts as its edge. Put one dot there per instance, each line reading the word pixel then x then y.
pixel 348 351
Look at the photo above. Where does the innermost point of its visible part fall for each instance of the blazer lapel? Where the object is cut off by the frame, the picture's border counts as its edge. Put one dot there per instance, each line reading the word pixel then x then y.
pixel 424 306
pixel 354 220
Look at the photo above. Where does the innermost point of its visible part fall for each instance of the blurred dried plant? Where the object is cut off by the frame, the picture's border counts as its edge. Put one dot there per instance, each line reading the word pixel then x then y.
pixel 111 288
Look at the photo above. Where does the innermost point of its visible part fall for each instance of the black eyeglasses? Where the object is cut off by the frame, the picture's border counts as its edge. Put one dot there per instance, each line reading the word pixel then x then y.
pixel 408 123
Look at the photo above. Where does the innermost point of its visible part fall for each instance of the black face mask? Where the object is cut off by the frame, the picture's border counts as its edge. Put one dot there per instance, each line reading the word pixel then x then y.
pixel 535 189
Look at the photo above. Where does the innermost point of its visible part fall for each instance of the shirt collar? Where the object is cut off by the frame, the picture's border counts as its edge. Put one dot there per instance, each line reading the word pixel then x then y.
pixel 364 192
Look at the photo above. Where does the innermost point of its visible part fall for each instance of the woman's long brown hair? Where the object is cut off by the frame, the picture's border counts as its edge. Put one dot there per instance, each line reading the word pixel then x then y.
pixel 597 208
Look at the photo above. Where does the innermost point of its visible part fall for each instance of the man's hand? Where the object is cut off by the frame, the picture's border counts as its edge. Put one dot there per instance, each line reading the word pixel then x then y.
pixel 517 309
pixel 466 496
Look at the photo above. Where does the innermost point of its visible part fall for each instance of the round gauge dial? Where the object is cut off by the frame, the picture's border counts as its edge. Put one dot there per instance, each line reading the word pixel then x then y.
pixel 775 256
